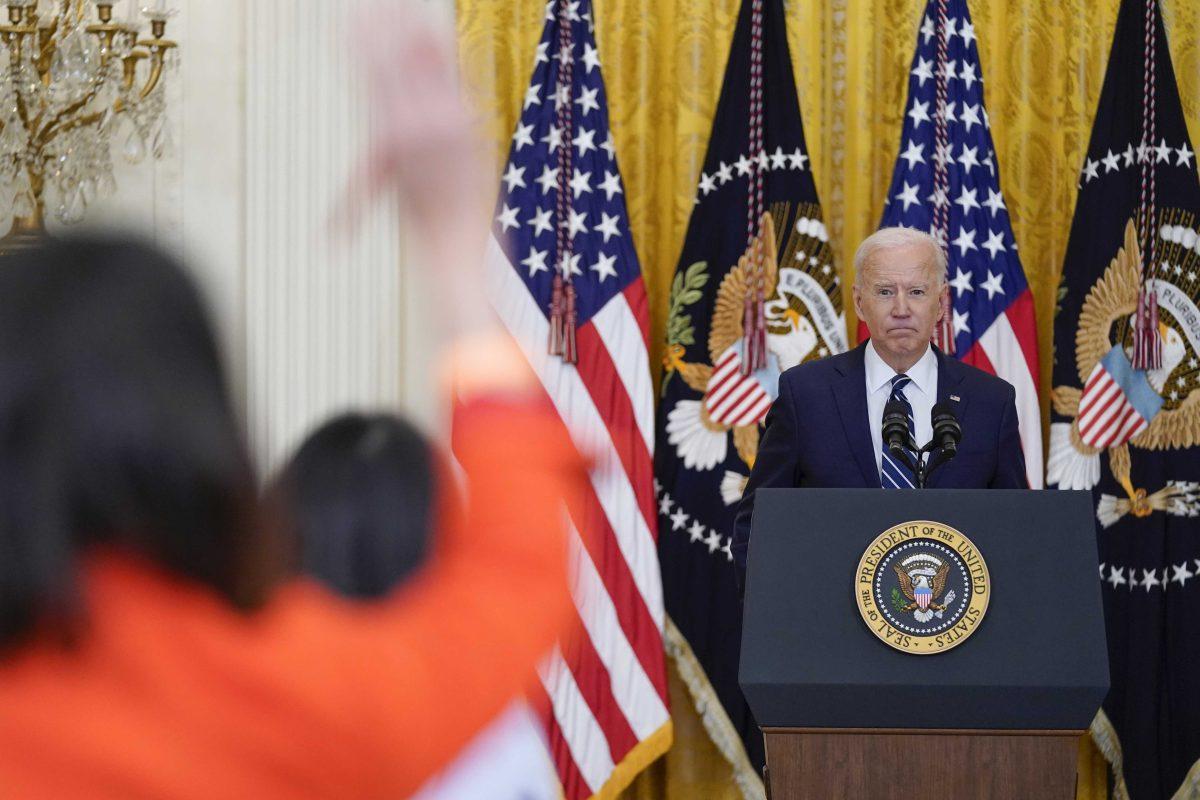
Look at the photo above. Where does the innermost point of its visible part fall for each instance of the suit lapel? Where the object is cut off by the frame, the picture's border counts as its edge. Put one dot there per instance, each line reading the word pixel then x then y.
pixel 950 374
pixel 850 396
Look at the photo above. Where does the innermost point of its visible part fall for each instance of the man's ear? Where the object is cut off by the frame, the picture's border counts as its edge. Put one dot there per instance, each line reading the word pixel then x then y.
pixel 857 294
pixel 944 302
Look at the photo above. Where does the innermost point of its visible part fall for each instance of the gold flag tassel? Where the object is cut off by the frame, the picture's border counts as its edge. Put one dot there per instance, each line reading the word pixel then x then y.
pixel 1147 341
pixel 557 309
pixel 754 314
pixel 570 353
pixel 943 334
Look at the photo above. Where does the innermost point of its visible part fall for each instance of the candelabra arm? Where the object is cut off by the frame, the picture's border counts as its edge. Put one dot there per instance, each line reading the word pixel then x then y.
pixel 129 65
pixel 77 122
pixel 14 37
pixel 22 110
pixel 45 49
pixel 158 53
pixel 61 122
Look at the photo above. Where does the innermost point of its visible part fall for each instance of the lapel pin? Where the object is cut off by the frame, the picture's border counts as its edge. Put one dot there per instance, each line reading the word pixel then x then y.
pixel 955 398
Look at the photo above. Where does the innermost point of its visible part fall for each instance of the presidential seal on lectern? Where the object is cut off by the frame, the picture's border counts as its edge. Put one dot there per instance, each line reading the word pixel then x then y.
pixel 922 587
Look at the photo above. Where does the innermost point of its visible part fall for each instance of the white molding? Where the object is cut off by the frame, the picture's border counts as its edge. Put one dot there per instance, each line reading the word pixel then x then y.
pixel 323 308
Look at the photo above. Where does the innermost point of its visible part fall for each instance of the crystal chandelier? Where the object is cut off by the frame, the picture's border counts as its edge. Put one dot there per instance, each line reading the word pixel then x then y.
pixel 78 85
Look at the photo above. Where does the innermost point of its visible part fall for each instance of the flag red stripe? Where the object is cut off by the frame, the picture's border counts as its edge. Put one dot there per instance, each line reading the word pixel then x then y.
pixel 755 412
pixel 573 784
pixel 600 541
pixel 1126 425
pixel 595 684
pixel 1023 321
pixel 599 375
pixel 977 358
pixel 1103 430
pixel 1106 434
pixel 1098 374
pixel 638 625
pixel 1100 418
pixel 639 304
pixel 1100 399
pixel 1093 391
pixel 726 375
pixel 731 401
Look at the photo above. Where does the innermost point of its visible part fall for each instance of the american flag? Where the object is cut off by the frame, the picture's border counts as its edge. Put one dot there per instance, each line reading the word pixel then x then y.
pixel 946 182
pixel 561 212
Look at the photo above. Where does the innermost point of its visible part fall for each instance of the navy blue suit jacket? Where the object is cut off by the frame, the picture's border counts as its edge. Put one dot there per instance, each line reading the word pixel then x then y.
pixel 817 434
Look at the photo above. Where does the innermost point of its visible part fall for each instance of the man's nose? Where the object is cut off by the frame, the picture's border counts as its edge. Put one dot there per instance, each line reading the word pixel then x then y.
pixel 900 308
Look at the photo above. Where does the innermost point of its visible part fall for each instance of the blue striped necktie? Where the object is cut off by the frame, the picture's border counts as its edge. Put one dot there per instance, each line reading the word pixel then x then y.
pixel 894 474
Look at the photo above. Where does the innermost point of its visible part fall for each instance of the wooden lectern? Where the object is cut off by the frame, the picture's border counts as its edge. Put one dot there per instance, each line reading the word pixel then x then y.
pixel 998 715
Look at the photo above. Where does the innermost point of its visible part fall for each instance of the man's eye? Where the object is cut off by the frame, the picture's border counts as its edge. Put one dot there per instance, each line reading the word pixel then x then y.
pixel 885 292
pixel 918 292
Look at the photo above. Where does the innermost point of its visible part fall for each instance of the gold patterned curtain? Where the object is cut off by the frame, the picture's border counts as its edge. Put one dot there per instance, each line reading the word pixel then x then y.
pixel 1043 64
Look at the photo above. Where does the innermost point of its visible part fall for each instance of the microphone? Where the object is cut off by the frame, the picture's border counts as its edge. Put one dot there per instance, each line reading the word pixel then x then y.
pixel 946 430
pixel 895 427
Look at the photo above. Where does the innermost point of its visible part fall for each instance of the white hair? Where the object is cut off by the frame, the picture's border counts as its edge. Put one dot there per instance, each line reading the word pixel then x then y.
pixel 894 238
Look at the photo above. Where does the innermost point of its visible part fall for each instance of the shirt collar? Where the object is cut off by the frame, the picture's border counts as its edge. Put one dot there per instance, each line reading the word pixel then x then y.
pixel 923 373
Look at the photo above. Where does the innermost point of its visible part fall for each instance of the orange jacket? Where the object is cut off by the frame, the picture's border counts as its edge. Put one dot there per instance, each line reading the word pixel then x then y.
pixel 173 694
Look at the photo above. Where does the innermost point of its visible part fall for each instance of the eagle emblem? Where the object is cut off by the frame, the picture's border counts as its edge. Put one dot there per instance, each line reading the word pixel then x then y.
pixel 804 321
pixel 922 580
pixel 1117 408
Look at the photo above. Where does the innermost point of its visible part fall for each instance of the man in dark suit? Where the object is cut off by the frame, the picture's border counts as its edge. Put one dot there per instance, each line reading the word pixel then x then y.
pixel 825 426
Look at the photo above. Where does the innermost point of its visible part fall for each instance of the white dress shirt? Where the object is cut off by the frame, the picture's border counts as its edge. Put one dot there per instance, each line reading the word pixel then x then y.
pixel 921 393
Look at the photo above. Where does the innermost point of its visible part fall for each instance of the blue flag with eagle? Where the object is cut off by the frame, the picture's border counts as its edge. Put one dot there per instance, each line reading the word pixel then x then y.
pixel 1126 406
pixel 755 292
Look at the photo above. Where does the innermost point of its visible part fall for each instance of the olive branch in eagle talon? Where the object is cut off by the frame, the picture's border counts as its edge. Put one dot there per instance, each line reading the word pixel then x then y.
pixel 685 290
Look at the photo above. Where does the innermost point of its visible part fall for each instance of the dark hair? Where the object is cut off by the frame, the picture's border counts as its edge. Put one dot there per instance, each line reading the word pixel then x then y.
pixel 116 429
pixel 360 493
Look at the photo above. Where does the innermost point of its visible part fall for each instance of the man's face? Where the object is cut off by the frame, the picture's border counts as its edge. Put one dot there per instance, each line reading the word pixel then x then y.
pixel 899 298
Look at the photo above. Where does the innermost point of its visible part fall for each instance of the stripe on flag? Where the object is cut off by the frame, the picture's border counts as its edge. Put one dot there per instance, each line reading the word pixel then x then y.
pixel 1117 402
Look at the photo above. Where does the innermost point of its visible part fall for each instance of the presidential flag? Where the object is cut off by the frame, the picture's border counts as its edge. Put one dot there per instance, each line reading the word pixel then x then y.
pixel 565 281
pixel 755 292
pixel 1126 406
pixel 946 181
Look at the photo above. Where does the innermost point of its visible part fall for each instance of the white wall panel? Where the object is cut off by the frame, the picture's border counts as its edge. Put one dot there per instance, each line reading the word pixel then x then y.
pixel 325 312
pixel 268 118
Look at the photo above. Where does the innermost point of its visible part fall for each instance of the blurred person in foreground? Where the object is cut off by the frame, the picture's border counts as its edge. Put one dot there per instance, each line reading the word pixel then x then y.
pixel 364 494
pixel 147 646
